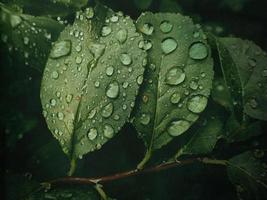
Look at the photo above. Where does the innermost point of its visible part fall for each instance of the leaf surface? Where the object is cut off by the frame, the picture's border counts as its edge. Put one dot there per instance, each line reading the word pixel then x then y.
pixel 178 78
pixel 90 80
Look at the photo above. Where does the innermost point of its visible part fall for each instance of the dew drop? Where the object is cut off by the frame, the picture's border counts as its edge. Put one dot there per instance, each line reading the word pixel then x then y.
pixel 92 133
pixel 107 110
pixel 175 98
pixel 121 35
pixel 147 29
pixel 253 103
pixel 125 59
pixel 55 75
pixel 15 20
pixel 97 84
pixel 168 45
pixel 198 51
pixel 193 85
pixel 145 119
pixel 109 71
pixel 145 44
pixel 92 114
pixel 60 115
pixel 178 127
pixel 89 13
pixel 166 26
pixel 60 49
pixel 113 90
pixel 69 98
pixel 108 131
pixel 197 103
pixel 175 76
pixel 53 102
pixel 114 18
pixel 139 80
pixel 106 30
pixel 78 60
pixel 264 73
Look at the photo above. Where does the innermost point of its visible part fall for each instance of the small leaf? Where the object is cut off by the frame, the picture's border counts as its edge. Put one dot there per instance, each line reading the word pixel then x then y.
pixel 178 79
pixel 244 67
pixel 28 37
pixel 90 80
pixel 249 175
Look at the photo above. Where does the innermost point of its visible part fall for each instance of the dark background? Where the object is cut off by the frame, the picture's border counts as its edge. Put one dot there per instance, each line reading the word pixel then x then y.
pixel 28 149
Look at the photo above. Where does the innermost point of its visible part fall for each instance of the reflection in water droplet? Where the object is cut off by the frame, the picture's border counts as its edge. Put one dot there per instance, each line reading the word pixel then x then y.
pixel 198 51
pixel 175 76
pixel 147 29
pixel 125 59
pixel 145 119
pixel 106 30
pixel 108 131
pixel 178 127
pixel 121 35
pixel 113 90
pixel 107 110
pixel 197 103
pixel 168 45
pixel 166 26
pixel 61 48
pixel 175 98
pixel 92 133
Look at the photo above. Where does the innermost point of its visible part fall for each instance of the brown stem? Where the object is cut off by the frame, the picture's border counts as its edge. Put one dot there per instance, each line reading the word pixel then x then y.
pixel 121 175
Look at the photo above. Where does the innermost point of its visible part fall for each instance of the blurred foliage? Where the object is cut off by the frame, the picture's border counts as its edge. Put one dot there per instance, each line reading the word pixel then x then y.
pixel 31 155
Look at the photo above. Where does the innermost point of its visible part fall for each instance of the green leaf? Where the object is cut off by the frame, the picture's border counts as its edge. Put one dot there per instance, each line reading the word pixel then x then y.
pixel 91 80
pixel 51 7
pixel 27 37
pixel 244 67
pixel 249 175
pixel 178 79
pixel 204 138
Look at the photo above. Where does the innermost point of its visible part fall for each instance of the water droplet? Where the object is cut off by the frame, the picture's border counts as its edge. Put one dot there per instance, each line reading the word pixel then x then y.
pixel 197 103
pixel 178 127
pixel 97 49
pixel 145 119
pixel 97 84
pixel 78 60
pixel 106 30
pixel 253 103
pixel 69 98
pixel 125 85
pixel 55 75
pixel 145 98
pixel 92 114
pixel 264 73
pixel 125 59
pixel 193 85
pixel 121 35
pixel 114 18
pixel 107 110
pixel 139 80
pixel 113 90
pixel 175 76
pixel 168 45
pixel 53 102
pixel 145 44
pixel 109 71
pixel 92 133
pixel 61 48
pixel 15 20
pixel 198 51
pixel 89 13
pixel 175 98
pixel 108 131
pixel 26 40
pixel 60 115
pixel 166 26
pixel 147 29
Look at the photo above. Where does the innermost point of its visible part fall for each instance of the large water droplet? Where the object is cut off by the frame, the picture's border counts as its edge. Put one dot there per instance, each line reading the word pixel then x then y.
pixel 107 110
pixel 145 44
pixel 197 103
pixel 125 59
pixel 178 127
pixel 97 49
pixel 168 45
pixel 175 98
pixel 166 26
pixel 92 133
pixel 175 76
pixel 121 35
pixel 108 131
pixel 106 30
pixel 109 71
pixel 145 119
pixel 113 90
pixel 61 48
pixel 198 51
pixel 147 29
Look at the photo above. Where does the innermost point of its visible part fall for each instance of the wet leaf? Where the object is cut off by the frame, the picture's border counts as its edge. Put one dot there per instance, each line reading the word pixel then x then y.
pixel 249 175
pixel 27 37
pixel 90 80
pixel 244 67
pixel 178 78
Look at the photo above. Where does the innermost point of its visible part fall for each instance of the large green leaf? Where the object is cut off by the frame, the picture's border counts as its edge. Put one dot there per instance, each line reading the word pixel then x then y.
pixel 178 79
pixel 91 80
pixel 27 37
pixel 50 7
pixel 249 175
pixel 244 68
